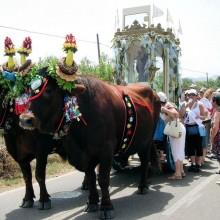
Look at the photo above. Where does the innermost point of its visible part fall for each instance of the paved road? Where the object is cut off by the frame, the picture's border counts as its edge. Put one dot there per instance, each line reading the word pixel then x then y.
pixel 195 197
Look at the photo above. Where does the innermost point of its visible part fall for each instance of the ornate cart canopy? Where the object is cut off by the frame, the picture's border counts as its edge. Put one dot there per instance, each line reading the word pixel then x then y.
pixel 136 49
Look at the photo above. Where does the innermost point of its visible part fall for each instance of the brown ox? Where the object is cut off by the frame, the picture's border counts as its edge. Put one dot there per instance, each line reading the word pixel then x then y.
pixel 104 129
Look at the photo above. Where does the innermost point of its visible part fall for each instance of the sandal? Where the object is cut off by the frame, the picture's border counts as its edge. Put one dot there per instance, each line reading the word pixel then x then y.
pixel 174 177
pixel 183 174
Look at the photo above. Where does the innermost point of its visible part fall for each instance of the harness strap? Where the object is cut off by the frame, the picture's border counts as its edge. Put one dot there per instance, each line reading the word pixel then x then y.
pixel 40 93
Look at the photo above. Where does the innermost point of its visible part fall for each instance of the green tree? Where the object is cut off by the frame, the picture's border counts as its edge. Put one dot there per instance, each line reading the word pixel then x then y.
pixel 186 83
pixel 104 70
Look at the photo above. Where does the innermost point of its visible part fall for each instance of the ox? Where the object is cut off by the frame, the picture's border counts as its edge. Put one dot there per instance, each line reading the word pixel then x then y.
pixel 105 128
pixel 24 146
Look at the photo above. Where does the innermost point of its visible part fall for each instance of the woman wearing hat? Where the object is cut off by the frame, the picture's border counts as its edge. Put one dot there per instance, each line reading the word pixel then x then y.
pixel 177 144
pixel 194 115
pixel 215 129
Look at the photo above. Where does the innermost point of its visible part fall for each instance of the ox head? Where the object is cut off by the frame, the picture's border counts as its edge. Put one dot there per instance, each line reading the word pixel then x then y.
pixel 46 108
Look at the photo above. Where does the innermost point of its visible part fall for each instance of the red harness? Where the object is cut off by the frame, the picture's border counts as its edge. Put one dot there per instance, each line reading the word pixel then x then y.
pixel 39 93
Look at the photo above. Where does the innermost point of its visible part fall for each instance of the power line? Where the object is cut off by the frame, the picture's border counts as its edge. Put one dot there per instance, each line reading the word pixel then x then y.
pixel 195 71
pixel 86 41
pixel 48 35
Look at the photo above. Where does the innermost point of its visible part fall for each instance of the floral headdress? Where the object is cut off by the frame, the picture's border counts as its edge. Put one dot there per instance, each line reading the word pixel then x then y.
pixel 67 68
pixel 10 52
pixel 24 52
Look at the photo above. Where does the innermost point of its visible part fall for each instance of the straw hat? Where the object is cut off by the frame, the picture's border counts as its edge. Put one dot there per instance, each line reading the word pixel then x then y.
pixel 67 73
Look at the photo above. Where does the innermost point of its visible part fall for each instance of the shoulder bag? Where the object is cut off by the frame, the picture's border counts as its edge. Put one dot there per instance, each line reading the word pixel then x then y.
pixel 173 129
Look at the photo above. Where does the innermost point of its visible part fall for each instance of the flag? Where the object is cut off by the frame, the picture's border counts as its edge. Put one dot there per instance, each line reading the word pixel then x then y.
pixel 180 31
pixel 157 12
pixel 116 20
pixel 169 18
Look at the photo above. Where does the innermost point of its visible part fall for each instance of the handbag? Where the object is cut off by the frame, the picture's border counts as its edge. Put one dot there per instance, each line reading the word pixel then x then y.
pixel 173 129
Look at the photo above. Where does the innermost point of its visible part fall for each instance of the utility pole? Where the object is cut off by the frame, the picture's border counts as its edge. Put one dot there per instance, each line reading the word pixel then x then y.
pixel 98 46
pixel 207 80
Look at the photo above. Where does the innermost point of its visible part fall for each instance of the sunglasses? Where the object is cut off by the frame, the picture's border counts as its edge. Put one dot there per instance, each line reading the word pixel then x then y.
pixel 192 94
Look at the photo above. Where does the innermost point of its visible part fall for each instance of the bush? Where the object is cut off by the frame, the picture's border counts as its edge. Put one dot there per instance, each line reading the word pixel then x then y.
pixel 8 167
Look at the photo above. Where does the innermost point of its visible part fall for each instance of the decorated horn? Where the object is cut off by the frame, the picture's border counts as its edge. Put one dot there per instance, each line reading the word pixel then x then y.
pixel 10 52
pixel 70 48
pixel 25 50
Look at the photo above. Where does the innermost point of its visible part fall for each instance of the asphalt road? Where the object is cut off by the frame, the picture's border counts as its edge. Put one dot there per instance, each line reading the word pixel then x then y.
pixel 197 196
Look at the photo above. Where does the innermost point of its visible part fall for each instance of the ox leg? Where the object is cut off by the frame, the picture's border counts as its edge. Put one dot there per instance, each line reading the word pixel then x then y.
pixel 144 168
pixel 85 183
pixel 106 208
pixel 28 199
pixel 92 204
pixel 40 173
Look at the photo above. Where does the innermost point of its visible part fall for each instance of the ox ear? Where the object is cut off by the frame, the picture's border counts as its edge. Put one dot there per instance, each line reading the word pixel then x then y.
pixel 79 89
pixel 43 71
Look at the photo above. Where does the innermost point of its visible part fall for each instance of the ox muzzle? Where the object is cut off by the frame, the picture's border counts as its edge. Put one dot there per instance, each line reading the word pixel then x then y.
pixel 28 121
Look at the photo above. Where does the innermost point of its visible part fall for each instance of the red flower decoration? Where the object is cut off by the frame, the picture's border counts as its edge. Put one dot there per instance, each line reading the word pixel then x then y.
pixel 27 43
pixel 8 43
pixel 70 39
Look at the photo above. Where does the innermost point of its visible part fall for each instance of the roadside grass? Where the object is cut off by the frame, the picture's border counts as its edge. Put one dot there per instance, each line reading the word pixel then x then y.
pixel 11 176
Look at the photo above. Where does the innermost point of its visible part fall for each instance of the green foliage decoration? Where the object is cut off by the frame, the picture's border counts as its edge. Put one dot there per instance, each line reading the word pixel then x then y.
pixel 15 88
pixel 51 63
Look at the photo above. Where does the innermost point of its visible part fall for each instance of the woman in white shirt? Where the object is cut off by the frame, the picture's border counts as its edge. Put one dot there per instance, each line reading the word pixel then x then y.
pixel 194 115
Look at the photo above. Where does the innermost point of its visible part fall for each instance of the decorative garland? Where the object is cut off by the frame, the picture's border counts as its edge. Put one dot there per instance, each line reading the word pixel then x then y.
pixel 17 80
pixel 63 84
pixel 15 83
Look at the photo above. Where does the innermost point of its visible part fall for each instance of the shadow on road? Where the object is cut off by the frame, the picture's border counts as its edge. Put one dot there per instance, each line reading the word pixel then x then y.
pixel 127 204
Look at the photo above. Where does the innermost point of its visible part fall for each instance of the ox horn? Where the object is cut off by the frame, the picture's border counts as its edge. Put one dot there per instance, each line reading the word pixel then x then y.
pixel 10 52
pixel 79 88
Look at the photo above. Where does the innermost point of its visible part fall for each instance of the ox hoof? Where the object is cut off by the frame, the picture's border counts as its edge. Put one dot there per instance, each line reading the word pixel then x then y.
pixel 27 203
pixel 44 205
pixel 91 207
pixel 106 214
pixel 142 190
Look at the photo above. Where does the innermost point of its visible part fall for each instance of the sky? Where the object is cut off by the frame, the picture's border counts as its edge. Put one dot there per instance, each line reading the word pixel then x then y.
pixel 199 19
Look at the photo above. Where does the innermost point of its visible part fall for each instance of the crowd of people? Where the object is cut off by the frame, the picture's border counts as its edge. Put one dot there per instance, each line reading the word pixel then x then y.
pixel 198 118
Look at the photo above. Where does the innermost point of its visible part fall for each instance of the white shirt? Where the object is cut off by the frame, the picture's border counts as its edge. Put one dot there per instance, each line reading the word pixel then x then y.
pixel 207 104
pixel 193 114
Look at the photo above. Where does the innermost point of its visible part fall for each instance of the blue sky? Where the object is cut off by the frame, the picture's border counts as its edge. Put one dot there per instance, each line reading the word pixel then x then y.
pixel 199 20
